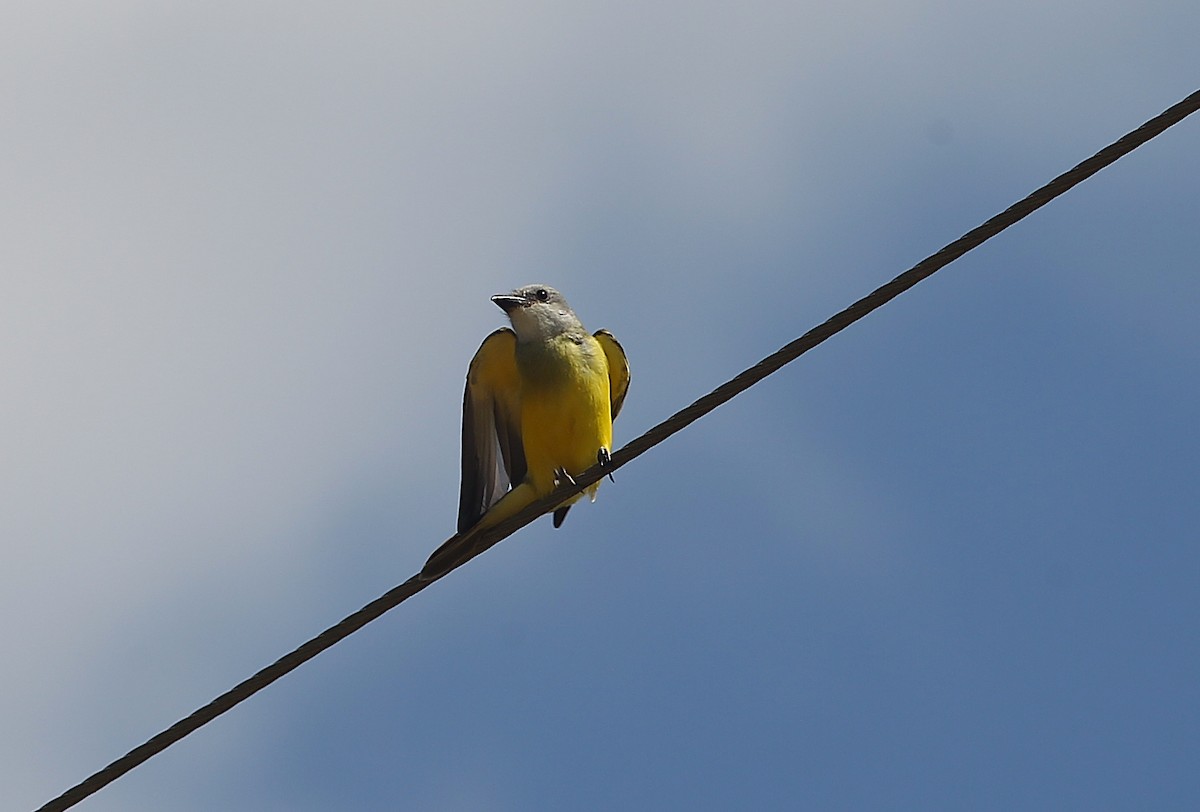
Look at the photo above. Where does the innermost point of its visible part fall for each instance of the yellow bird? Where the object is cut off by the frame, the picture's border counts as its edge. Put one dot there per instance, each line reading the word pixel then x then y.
pixel 538 409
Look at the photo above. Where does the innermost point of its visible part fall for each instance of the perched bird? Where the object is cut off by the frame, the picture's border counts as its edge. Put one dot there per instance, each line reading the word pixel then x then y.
pixel 538 409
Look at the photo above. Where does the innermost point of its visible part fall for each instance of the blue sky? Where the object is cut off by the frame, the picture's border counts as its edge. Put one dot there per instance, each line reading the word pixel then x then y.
pixel 947 560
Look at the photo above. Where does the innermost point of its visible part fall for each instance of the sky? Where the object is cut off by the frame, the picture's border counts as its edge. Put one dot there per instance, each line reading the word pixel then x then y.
pixel 946 560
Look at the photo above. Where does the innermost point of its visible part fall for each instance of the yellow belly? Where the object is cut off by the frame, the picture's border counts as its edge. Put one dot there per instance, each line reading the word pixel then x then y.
pixel 566 416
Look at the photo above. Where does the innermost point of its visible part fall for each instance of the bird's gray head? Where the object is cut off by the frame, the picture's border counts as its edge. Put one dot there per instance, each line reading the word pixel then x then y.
pixel 538 312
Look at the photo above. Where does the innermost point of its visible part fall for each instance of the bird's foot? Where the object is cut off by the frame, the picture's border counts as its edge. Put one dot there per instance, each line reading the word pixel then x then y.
pixel 561 476
pixel 604 458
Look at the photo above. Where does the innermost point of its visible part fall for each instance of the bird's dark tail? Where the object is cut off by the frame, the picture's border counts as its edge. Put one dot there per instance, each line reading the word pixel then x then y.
pixel 447 557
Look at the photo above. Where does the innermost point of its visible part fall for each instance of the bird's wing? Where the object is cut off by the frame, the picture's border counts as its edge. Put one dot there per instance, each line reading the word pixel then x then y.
pixel 493 457
pixel 618 369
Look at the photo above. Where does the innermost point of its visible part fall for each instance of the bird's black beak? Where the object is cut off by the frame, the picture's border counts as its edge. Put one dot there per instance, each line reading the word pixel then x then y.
pixel 508 302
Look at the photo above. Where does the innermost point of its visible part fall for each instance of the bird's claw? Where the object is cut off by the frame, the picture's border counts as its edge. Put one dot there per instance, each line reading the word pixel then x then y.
pixel 561 476
pixel 604 458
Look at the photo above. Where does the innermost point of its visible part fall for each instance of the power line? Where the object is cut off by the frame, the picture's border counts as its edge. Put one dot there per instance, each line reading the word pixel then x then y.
pixel 725 392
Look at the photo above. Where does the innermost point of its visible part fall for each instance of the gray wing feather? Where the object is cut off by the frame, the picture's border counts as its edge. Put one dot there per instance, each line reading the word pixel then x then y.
pixel 493 457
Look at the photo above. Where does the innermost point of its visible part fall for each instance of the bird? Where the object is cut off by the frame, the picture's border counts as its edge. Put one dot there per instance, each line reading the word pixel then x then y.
pixel 538 409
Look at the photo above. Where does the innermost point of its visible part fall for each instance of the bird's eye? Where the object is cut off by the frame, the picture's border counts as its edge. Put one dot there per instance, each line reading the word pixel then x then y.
pixel 542 294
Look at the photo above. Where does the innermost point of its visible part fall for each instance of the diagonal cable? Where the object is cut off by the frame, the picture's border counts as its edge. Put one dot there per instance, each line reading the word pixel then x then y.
pixel 676 422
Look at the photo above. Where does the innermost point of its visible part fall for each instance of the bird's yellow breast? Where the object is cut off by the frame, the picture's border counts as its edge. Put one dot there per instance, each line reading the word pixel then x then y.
pixel 566 415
